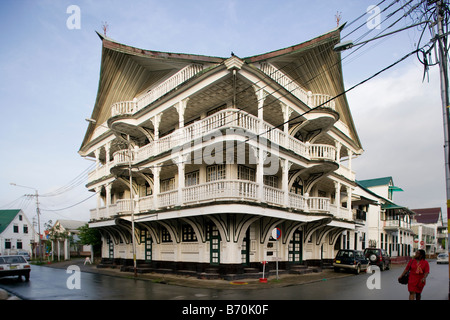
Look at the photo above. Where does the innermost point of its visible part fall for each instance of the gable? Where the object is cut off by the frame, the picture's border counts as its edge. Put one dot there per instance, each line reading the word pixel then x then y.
pixel 6 217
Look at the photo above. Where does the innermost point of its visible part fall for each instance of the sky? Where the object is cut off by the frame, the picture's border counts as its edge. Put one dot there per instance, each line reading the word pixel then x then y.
pixel 49 73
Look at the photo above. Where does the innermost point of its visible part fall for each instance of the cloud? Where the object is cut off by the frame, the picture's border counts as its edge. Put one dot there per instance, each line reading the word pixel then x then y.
pixel 399 121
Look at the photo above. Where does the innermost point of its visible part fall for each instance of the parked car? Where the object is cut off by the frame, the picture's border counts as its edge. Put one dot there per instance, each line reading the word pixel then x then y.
pixel 24 254
pixel 378 257
pixel 351 260
pixel 442 258
pixel 14 266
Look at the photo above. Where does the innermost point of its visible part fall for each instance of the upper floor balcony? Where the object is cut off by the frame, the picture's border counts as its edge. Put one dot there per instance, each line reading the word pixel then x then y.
pixel 310 99
pixel 131 107
pixel 234 119
pixel 395 225
pixel 218 191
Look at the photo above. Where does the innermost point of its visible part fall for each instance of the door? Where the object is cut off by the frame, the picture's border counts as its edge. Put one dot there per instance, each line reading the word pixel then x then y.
pixel 148 241
pixel 295 248
pixel 214 238
pixel 110 247
pixel 245 249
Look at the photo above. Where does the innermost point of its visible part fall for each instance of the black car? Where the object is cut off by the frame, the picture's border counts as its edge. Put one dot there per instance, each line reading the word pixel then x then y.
pixel 378 257
pixel 350 259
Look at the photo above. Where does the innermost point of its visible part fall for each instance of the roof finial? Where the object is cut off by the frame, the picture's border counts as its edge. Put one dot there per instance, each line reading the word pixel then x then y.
pixel 105 27
pixel 338 17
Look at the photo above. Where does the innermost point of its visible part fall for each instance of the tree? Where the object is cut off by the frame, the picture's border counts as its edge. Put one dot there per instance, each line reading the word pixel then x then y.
pixel 90 236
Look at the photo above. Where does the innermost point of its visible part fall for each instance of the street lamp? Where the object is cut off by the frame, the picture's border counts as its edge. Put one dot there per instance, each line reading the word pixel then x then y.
pixel 349 44
pixel 38 215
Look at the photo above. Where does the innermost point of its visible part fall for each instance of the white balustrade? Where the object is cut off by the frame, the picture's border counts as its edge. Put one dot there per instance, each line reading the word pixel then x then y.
pixel 237 119
pixel 168 198
pixel 221 190
pixel 309 98
pixel 123 107
pixel 322 152
pixel 130 107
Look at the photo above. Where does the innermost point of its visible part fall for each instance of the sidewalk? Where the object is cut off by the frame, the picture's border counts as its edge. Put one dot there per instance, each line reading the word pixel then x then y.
pixel 194 282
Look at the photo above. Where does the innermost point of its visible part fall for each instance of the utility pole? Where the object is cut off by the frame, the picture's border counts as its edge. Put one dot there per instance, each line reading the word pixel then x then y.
pixel 38 212
pixel 443 66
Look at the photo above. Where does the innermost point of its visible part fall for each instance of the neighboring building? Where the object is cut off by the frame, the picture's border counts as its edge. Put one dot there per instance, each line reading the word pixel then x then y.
pixel 64 240
pixel 428 226
pixel 221 151
pixel 16 233
pixel 388 224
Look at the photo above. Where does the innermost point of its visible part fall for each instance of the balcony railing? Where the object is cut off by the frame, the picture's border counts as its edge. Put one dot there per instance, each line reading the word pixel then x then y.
pixel 396 224
pixel 310 99
pixel 234 119
pixel 229 118
pixel 130 107
pixel 221 190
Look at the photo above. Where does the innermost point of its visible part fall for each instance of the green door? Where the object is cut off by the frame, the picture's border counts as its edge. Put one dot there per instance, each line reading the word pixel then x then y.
pixel 245 249
pixel 110 247
pixel 214 238
pixel 147 240
pixel 296 248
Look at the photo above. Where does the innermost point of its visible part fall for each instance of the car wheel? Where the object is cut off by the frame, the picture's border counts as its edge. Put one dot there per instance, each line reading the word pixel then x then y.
pixel 373 257
pixel 358 269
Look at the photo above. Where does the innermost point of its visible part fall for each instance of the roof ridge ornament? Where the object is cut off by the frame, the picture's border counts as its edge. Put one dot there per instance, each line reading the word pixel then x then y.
pixel 234 63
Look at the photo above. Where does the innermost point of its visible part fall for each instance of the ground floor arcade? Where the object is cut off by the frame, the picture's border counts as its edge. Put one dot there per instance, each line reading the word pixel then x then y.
pixel 228 242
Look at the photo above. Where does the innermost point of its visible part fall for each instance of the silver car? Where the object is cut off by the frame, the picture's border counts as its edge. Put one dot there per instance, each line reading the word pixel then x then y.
pixel 442 258
pixel 14 266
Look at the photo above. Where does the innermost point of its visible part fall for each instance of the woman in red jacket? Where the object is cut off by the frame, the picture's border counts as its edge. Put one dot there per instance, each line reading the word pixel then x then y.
pixel 417 275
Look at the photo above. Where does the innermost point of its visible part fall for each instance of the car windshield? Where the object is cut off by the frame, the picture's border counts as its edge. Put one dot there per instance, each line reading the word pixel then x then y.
pixel 13 259
pixel 371 251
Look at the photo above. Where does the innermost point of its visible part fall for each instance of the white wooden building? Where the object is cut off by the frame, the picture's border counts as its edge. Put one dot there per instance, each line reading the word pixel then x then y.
pixel 221 151
pixel 16 233
pixel 388 224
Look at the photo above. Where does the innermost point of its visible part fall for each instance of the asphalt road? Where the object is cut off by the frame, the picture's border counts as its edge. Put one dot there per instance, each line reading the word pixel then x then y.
pixel 62 284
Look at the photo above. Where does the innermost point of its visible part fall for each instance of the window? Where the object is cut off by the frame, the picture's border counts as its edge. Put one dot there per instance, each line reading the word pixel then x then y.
pixel 19 244
pixel 20 217
pixel 148 189
pixel 191 178
pixel 25 228
pixel 7 243
pixel 188 234
pixel 215 172
pixel 246 173
pixel 165 235
pixel 167 184
pixel 16 228
pixel 271 181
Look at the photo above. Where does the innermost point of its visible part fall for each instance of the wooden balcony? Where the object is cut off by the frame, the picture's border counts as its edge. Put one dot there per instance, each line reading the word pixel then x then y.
pixel 232 119
pixel 131 107
pixel 210 192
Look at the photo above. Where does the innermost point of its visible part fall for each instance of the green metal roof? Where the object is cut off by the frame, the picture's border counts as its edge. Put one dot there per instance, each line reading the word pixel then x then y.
pixel 6 216
pixel 376 182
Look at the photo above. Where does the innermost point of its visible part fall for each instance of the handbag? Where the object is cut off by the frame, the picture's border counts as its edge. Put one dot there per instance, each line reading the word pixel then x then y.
pixel 405 278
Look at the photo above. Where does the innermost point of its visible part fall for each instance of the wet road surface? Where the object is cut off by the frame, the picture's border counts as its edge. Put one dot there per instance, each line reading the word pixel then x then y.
pixel 54 284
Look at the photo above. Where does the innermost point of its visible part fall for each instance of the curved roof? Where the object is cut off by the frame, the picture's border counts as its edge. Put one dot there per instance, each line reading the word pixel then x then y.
pixel 127 71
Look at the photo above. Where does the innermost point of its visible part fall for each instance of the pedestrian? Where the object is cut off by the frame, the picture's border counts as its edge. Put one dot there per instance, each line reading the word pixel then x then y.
pixel 418 269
